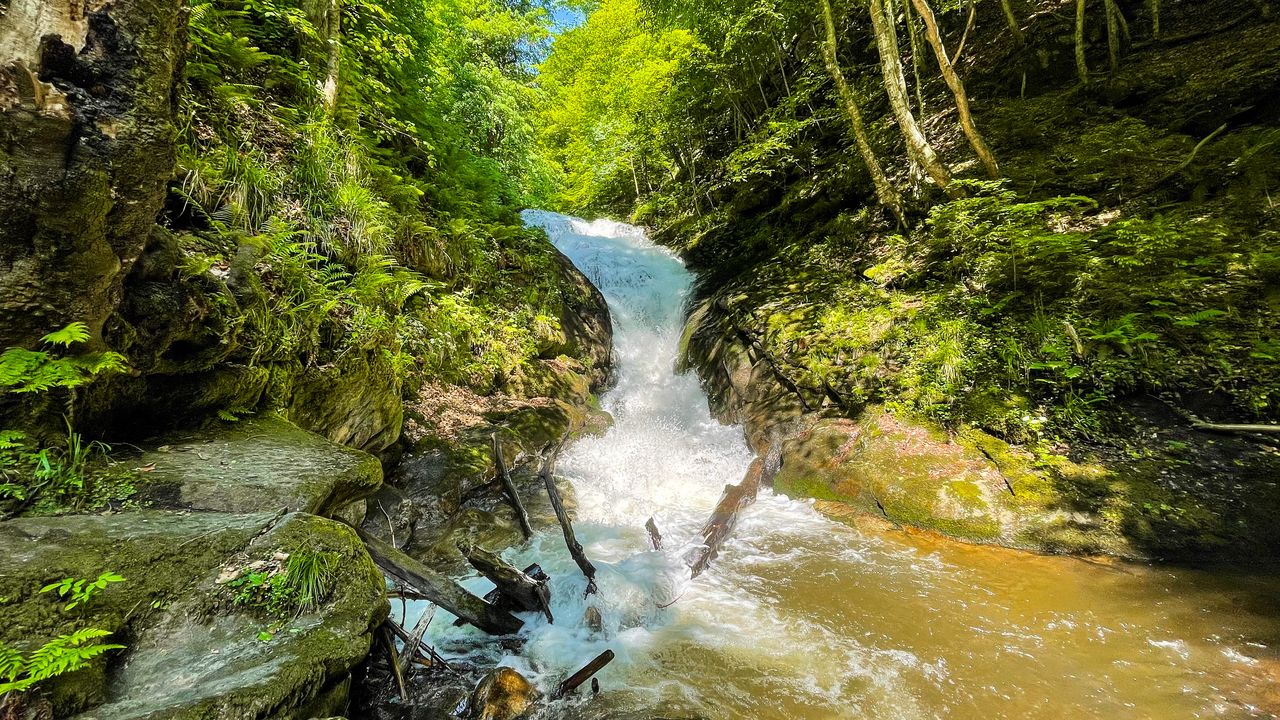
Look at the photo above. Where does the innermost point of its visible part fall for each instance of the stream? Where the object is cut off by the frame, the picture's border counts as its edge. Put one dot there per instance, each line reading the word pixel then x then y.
pixel 804 617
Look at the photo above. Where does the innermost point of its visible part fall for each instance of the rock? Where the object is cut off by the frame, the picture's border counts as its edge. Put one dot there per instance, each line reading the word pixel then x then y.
pixel 585 321
pixel 202 658
pixel 87 116
pixel 355 402
pixel 592 619
pixel 503 694
pixel 255 464
pixel 973 487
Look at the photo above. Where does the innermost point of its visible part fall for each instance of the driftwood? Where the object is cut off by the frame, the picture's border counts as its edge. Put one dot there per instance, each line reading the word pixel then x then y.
pixel 732 501
pixel 414 642
pixel 505 476
pixel 655 537
pixel 547 472
pixel 394 661
pixel 439 589
pixel 573 681
pixel 420 646
pixel 514 588
pixel 1229 428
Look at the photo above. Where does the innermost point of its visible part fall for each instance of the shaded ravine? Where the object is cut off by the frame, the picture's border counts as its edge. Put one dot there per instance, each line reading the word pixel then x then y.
pixel 803 617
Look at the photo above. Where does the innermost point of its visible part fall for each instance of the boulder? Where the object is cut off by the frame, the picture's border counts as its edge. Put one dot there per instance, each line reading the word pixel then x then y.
pixel 192 652
pixel 203 657
pixel 255 464
pixel 503 694
pixel 972 486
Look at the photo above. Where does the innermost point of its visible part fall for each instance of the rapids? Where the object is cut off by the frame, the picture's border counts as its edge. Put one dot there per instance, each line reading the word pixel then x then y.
pixel 805 617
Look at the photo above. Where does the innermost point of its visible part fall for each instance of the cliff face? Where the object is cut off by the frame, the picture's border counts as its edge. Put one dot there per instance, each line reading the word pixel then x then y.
pixel 87 136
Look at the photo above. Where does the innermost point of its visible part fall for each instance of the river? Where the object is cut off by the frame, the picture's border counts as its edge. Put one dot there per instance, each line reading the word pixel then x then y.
pixel 804 617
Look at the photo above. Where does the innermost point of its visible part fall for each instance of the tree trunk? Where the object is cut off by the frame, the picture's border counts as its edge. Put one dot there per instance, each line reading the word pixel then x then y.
pixel 957 89
pixel 915 56
pixel 1012 21
pixel 1154 7
pixel 885 192
pixel 515 588
pixel 895 84
pixel 1082 66
pixel 500 467
pixel 1113 34
pixel 566 526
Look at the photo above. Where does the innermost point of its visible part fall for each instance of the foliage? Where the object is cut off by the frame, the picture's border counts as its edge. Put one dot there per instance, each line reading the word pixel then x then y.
pixel 36 371
pixel 80 592
pixel 64 654
pixel 48 477
pixel 53 475
pixel 300 584
pixel 380 216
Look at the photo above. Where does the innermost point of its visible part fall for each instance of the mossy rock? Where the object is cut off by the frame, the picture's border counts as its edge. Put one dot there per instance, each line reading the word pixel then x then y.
pixel 972 487
pixel 158 553
pixel 264 463
pixel 354 402
pixel 205 658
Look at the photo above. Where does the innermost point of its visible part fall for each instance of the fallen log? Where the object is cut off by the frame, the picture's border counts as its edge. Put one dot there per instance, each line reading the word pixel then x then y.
pixel 655 537
pixel 547 473
pixel 732 501
pixel 514 588
pixel 439 589
pixel 573 681
pixel 505 476
pixel 1232 428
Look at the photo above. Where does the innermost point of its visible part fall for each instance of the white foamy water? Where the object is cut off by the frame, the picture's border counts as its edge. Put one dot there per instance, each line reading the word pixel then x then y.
pixel 802 617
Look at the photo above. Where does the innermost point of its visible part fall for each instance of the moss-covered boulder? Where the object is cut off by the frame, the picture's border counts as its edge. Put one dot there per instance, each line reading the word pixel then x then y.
pixel 356 401
pixel 205 657
pixel 255 464
pixel 975 487
pixel 158 553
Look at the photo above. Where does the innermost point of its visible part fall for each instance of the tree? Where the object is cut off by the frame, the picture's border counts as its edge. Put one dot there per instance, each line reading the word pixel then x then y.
pixel 957 89
pixel 1012 21
pixel 1082 66
pixel 895 85
pixel 885 192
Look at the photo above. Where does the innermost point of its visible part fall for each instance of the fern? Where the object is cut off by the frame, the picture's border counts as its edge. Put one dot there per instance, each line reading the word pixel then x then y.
pixel 64 654
pixel 35 371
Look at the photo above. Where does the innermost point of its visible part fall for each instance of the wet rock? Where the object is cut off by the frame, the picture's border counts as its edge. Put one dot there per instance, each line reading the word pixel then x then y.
pixel 592 619
pixel 203 657
pixel 585 321
pixel 255 464
pixel 503 694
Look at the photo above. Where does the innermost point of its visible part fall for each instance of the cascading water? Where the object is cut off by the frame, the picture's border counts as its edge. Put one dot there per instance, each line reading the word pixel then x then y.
pixel 803 617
